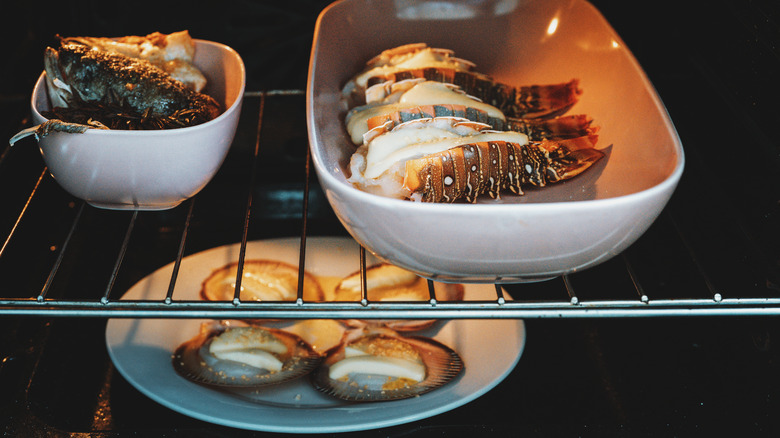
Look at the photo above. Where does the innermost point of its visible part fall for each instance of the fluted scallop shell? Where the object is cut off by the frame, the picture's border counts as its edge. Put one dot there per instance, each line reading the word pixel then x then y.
pixel 442 365
pixel 386 282
pixel 261 280
pixel 193 360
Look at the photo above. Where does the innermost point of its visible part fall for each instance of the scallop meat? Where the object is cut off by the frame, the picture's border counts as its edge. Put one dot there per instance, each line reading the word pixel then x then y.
pixel 382 365
pixel 261 280
pixel 237 355
pixel 386 282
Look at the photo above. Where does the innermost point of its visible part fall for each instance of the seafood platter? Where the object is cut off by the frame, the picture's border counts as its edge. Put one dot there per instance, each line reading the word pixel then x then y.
pixel 534 150
pixel 137 122
pixel 343 375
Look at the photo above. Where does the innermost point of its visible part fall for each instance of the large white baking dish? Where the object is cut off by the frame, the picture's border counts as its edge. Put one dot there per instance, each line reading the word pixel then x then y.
pixel 559 229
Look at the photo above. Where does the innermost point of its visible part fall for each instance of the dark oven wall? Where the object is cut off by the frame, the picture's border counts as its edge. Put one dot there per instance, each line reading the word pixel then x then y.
pixel 274 38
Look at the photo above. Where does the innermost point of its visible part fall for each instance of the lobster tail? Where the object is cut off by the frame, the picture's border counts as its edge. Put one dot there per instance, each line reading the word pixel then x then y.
pixel 431 129
pixel 545 100
pixel 573 164
pixel 468 171
pixel 570 157
pixel 557 128
pixel 431 111
pixel 524 101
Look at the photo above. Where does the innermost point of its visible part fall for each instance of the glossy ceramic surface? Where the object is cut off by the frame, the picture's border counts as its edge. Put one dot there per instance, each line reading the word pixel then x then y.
pixel 148 170
pixel 559 229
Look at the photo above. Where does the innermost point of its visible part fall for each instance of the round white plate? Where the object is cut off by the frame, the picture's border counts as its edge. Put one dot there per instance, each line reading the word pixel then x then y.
pixel 141 351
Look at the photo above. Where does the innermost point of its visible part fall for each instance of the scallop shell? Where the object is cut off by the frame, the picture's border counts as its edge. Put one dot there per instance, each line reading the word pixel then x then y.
pixel 193 360
pixel 442 365
pixel 386 282
pixel 262 280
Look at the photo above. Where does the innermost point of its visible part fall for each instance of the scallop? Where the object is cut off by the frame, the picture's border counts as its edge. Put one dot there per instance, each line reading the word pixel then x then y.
pixel 232 355
pixel 386 282
pixel 261 280
pixel 384 365
pixel 321 334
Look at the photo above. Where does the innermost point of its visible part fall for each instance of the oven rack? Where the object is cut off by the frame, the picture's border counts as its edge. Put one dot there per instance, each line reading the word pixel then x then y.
pixel 564 296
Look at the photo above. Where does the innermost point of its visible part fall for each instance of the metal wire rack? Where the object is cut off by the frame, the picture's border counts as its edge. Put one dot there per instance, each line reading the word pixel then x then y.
pixel 642 269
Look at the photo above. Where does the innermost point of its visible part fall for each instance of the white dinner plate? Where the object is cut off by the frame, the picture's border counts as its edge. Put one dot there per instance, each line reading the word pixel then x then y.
pixel 141 351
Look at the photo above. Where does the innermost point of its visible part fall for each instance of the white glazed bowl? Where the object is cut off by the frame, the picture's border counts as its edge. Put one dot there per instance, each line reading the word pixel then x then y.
pixel 560 229
pixel 148 170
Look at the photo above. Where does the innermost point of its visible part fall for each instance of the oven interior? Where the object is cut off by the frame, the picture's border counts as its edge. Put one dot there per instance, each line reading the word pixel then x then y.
pixel 676 334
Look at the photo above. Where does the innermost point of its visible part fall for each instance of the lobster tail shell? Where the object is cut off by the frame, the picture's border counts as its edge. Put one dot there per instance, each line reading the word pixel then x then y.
pixel 468 171
pixel 431 111
pixel 558 128
pixel 572 157
pixel 525 101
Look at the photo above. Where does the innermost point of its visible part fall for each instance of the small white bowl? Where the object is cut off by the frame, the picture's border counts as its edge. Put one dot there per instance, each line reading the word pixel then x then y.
pixel 148 170
pixel 560 229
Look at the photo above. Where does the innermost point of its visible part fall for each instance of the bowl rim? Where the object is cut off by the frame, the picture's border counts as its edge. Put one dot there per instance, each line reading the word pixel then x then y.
pixel 40 87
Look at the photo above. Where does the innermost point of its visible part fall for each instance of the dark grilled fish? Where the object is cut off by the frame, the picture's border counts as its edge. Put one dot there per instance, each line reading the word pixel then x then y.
pixel 79 76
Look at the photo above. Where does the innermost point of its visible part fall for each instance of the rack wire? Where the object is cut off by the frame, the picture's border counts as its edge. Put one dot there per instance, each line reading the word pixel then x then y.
pixel 566 301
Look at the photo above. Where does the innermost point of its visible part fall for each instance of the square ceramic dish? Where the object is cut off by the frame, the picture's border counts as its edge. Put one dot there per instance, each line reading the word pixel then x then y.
pixel 154 169
pixel 547 232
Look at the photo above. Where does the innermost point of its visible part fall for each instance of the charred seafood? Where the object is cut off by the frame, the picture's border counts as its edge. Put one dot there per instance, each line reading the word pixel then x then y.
pixel 237 355
pixel 379 365
pixel 121 92
pixel 174 53
pixel 126 83
pixel 429 129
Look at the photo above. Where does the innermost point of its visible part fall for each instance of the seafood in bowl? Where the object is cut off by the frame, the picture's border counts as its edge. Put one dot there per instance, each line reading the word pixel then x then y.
pixel 136 164
pixel 171 52
pixel 429 133
pixel 80 78
pixel 395 68
pixel 564 227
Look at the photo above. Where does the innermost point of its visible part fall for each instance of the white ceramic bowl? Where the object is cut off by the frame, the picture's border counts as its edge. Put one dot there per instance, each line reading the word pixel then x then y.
pixel 559 229
pixel 148 170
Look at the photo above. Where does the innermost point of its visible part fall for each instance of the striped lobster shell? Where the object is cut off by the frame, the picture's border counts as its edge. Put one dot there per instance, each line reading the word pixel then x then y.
pixel 468 171
pixel 526 101
pixel 561 127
